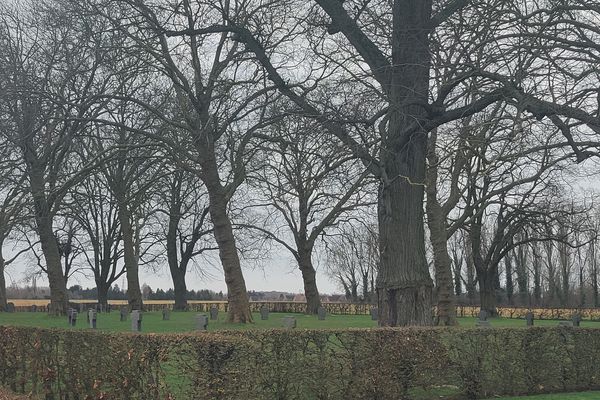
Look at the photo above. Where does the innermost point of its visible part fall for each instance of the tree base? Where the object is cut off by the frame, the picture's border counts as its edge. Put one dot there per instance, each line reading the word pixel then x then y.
pixel 407 306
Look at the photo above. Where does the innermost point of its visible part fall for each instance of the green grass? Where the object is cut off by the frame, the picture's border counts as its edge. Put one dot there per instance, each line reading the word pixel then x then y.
pixel 558 396
pixel 185 322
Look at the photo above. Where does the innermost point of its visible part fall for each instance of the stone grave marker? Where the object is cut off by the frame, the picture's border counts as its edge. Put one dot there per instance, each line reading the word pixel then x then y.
pixel 322 313
pixel 374 314
pixel 73 317
pixel 166 314
pixel 81 307
pixel 201 322
pixel 264 313
pixel 70 315
pixel 136 321
pixel 123 314
pixel 214 313
pixel 576 319
pixel 482 316
pixel 92 316
pixel 10 307
pixel 529 318
pixel 289 322
pixel 33 308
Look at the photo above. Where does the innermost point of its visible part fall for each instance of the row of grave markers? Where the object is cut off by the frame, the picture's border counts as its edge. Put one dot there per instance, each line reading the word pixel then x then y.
pixel 288 322
pixel 482 320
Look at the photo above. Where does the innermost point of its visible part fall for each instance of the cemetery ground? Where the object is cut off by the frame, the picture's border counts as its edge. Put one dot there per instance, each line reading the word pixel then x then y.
pixel 181 322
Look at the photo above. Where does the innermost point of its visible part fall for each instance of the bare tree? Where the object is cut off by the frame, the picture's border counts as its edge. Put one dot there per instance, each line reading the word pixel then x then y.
pixel 51 65
pixel 353 260
pixel 95 209
pixel 310 182
pixel 188 232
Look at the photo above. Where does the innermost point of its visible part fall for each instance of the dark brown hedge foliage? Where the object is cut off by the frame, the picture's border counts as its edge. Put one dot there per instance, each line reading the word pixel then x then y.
pixel 299 365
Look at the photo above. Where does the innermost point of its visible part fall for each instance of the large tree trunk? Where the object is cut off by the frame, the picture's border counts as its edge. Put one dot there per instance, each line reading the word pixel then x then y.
pixel 102 289
pixel 179 289
pixel 313 300
pixel 509 280
pixel 436 220
pixel 471 282
pixel 177 271
pixel 404 286
pixel 487 292
pixel 43 219
pixel 3 299
pixel 134 294
pixel 594 272
pixel 522 275
pixel 239 305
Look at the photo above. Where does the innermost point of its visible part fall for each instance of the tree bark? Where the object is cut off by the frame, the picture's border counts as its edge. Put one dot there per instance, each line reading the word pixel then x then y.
pixel 134 293
pixel 436 220
pixel 487 293
pixel 3 299
pixel 239 305
pixel 509 280
pixel 471 282
pixel 313 300
pixel 179 289
pixel 43 219
pixel 595 295
pixel 102 289
pixel 177 271
pixel 404 287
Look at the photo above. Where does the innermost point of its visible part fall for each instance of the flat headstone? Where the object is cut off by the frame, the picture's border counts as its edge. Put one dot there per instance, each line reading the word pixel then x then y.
pixel 374 313
pixel 322 313
pixel 214 313
pixel 166 314
pixel 10 307
pixel 136 321
pixel 201 322
pixel 529 318
pixel 123 313
pixel 565 323
pixel 576 319
pixel 483 324
pixel 482 316
pixel 264 313
pixel 289 322
pixel 92 316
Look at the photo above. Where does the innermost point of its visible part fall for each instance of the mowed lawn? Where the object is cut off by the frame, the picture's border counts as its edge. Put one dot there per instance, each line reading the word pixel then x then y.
pixel 185 322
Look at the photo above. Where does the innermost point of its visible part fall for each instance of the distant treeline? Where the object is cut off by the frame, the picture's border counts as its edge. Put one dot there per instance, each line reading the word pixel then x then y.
pixel 115 293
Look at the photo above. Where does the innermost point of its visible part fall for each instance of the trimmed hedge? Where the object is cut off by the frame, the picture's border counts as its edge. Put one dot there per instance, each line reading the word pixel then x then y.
pixel 299 365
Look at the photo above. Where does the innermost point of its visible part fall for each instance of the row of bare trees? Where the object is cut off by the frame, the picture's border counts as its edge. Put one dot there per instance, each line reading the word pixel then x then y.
pixel 188 124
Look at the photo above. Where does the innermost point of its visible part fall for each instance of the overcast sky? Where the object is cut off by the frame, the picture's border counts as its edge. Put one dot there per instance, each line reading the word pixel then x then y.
pixel 278 274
